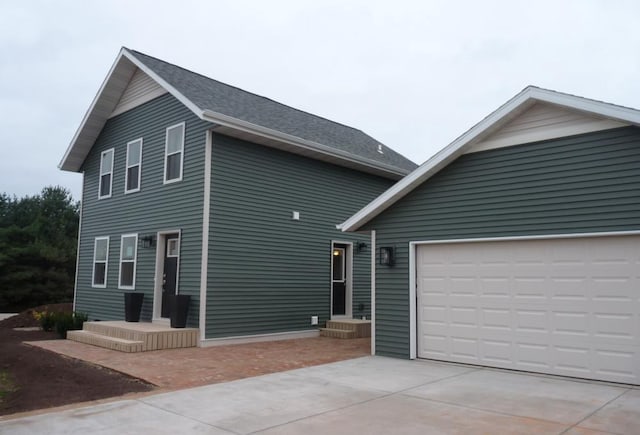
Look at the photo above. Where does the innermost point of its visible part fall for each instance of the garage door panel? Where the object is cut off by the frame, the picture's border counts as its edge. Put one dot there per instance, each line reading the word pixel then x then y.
pixel 560 306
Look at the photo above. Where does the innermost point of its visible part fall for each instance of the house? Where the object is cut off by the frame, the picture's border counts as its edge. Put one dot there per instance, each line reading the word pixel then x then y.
pixel 195 187
pixel 518 245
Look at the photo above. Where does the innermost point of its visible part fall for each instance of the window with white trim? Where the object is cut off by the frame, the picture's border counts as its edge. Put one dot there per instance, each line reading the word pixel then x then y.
pixel 174 153
pixel 106 174
pixel 100 260
pixel 134 166
pixel 128 255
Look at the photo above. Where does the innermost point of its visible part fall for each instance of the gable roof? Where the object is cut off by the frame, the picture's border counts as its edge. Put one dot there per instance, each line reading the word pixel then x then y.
pixel 482 130
pixel 238 113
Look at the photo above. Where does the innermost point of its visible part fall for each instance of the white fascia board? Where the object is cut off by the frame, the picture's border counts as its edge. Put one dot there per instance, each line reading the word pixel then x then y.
pixel 91 107
pixel 238 124
pixel 457 147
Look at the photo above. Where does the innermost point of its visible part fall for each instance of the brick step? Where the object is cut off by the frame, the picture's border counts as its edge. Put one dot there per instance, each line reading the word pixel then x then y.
pixel 107 342
pixel 153 336
pixel 337 333
pixel 109 330
pixel 360 328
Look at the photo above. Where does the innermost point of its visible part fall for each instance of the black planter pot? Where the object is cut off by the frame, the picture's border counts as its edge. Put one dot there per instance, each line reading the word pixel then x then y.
pixel 179 310
pixel 132 306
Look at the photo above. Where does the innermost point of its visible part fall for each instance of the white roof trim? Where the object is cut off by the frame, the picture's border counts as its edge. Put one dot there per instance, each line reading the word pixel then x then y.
pixel 495 120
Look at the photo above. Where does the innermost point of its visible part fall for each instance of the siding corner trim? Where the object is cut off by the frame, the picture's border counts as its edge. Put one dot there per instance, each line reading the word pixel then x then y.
pixel 206 203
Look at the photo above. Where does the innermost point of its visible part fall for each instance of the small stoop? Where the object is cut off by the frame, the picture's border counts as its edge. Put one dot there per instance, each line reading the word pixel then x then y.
pixel 349 328
pixel 133 336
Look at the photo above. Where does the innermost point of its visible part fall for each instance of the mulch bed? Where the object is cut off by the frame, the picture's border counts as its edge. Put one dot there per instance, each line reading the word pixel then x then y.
pixel 33 378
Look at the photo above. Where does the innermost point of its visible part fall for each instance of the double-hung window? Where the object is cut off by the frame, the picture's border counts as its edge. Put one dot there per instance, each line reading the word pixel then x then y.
pixel 174 153
pixel 106 174
pixel 128 255
pixel 134 166
pixel 100 259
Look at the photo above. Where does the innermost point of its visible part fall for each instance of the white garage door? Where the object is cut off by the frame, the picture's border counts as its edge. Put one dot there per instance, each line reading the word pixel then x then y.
pixel 561 306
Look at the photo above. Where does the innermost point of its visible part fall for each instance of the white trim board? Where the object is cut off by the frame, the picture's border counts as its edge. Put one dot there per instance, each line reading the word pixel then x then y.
pixel 75 282
pixel 204 259
pixel 348 309
pixel 489 125
pixel 241 339
pixel 529 237
pixel 161 240
pixel 373 292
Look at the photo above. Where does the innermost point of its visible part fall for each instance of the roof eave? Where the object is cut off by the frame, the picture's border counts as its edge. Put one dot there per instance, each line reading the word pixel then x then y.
pixel 338 156
pixel 441 159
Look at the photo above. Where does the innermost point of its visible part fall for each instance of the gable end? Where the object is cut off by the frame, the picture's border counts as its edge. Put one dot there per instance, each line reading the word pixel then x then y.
pixel 141 88
pixel 544 121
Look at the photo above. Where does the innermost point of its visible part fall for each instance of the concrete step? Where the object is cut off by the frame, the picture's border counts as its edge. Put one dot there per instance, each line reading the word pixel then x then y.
pixel 337 333
pixel 99 340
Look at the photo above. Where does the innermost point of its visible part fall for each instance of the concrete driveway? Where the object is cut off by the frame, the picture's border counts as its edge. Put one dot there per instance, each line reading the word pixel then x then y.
pixel 370 395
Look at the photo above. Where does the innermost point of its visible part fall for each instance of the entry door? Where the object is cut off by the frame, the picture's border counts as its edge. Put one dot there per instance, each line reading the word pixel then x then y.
pixel 339 281
pixel 170 273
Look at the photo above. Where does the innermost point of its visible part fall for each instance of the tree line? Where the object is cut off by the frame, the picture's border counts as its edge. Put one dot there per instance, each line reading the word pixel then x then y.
pixel 38 243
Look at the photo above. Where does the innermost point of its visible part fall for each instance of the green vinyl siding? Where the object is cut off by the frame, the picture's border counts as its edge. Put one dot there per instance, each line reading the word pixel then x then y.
pixel 580 184
pixel 156 207
pixel 269 273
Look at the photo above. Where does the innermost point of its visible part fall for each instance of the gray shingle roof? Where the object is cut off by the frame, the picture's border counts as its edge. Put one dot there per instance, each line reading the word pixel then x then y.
pixel 212 95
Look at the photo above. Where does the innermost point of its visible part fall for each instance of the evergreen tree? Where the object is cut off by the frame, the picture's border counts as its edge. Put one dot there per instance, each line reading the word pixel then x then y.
pixel 38 241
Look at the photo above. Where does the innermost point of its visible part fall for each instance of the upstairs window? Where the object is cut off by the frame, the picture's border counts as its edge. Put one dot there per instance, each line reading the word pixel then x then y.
pixel 100 255
pixel 134 165
pixel 128 254
pixel 106 174
pixel 173 153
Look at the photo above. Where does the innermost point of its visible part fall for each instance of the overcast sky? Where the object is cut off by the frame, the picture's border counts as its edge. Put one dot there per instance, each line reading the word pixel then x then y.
pixel 412 74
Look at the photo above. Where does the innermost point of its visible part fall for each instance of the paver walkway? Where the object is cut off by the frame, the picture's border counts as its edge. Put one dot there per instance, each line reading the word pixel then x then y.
pixel 173 369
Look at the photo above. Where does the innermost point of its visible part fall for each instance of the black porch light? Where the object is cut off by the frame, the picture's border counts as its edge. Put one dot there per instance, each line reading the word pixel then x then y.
pixel 148 241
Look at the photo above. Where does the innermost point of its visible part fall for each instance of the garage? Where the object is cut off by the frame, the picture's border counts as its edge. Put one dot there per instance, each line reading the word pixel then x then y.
pixel 563 306
pixel 516 246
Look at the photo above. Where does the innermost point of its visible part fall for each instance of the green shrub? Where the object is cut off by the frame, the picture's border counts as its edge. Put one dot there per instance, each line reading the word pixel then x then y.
pixel 64 323
pixel 61 322
pixel 47 320
pixel 78 319
pixel 69 322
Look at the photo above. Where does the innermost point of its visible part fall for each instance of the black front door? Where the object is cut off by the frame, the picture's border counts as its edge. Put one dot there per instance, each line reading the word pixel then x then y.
pixel 170 273
pixel 339 281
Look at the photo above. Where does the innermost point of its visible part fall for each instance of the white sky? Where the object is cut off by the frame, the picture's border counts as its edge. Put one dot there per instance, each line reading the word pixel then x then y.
pixel 412 74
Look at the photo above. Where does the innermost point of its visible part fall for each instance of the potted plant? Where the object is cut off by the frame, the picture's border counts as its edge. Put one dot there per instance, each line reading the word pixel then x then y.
pixel 179 310
pixel 132 306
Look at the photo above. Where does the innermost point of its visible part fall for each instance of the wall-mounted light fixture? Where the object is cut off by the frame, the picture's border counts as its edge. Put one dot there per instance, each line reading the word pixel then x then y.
pixel 360 247
pixel 386 256
pixel 148 241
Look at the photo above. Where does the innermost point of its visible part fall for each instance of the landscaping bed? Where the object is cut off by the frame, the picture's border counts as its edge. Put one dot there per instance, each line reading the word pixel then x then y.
pixel 32 378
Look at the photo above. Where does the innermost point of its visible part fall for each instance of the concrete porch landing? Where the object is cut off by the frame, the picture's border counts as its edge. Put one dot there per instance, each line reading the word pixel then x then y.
pixel 134 336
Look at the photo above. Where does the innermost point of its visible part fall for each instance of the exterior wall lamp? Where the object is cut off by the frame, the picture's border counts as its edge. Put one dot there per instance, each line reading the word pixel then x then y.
pixel 148 241
pixel 360 247
pixel 386 256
